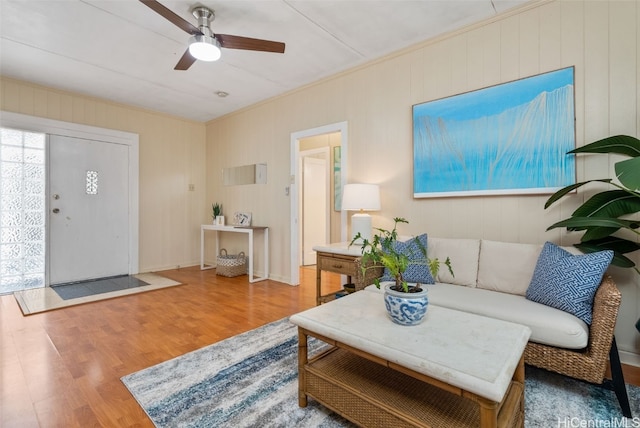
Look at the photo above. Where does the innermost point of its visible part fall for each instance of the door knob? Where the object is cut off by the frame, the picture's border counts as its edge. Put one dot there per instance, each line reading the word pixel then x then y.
pixel 56 210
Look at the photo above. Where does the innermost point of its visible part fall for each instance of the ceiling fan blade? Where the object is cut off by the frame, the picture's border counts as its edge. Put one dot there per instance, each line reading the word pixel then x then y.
pixel 172 17
pixel 185 62
pixel 237 42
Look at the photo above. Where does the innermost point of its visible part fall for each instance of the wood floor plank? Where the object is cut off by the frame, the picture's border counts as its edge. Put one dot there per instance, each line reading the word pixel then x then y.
pixel 63 368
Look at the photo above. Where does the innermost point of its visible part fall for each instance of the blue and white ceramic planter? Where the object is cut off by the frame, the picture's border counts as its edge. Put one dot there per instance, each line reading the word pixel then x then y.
pixel 406 308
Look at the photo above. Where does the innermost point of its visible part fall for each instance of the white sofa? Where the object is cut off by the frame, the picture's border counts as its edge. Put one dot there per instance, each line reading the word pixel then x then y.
pixel 491 279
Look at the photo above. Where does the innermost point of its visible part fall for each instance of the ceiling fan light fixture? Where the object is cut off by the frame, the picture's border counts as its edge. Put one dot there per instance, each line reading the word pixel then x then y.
pixel 204 48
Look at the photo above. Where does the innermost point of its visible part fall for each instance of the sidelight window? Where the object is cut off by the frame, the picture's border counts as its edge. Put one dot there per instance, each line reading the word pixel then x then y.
pixel 22 210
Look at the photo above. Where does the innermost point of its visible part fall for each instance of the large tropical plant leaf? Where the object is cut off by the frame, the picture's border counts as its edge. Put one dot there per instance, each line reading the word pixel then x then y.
pixel 560 193
pixel 628 172
pixel 620 246
pixel 621 144
pixel 592 233
pixel 619 260
pixel 617 244
pixel 611 203
pixel 583 222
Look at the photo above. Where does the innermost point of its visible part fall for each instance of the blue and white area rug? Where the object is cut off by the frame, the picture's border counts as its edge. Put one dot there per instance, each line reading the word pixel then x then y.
pixel 251 380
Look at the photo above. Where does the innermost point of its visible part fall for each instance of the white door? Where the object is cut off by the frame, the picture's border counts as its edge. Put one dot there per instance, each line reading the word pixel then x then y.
pixel 314 207
pixel 88 209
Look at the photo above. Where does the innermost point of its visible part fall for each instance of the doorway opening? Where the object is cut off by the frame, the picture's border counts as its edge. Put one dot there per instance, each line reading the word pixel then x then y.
pixel 315 219
pixel 295 189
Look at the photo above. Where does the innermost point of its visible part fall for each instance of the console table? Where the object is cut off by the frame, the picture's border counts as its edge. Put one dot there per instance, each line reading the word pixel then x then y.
pixel 249 231
pixel 454 369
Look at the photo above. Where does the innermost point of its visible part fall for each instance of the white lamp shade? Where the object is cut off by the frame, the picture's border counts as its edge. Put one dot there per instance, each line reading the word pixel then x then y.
pixel 361 197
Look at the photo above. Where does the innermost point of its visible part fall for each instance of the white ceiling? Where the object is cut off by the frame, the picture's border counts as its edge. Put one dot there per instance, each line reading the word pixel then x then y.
pixel 122 51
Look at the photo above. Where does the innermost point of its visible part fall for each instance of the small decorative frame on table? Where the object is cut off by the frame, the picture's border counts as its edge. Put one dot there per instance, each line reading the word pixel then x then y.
pixel 241 219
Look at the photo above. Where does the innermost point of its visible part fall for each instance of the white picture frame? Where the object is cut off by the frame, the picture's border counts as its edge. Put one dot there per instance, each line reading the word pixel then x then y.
pixel 241 218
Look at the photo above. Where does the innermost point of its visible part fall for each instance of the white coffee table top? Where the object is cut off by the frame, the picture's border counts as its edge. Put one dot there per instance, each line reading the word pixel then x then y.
pixel 472 352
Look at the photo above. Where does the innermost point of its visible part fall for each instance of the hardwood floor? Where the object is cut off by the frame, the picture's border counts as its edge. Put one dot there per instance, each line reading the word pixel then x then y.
pixel 63 368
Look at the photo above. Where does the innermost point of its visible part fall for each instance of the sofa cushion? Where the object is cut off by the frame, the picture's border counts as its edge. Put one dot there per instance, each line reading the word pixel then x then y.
pixel 566 281
pixel 464 255
pixel 417 270
pixel 507 267
pixel 549 326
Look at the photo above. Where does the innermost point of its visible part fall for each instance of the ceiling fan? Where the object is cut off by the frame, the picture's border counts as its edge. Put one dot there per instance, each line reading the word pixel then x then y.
pixel 204 44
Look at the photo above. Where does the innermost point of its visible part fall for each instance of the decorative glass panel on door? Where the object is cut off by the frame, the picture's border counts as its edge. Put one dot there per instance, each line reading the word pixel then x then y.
pixel 22 210
pixel 92 182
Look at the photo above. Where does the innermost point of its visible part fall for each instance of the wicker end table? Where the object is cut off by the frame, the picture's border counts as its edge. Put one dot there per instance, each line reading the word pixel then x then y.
pixel 454 369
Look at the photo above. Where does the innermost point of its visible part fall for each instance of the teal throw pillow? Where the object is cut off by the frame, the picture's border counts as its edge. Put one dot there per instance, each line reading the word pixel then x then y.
pixel 418 270
pixel 566 281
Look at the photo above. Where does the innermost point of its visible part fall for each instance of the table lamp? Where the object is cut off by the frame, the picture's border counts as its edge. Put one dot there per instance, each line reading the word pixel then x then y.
pixel 361 198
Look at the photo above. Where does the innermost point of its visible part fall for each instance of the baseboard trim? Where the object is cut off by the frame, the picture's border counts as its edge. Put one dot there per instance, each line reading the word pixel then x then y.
pixel 629 358
pixel 160 268
pixel 257 273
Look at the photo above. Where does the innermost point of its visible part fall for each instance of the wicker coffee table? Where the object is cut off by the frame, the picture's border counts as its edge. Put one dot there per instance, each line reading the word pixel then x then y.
pixel 454 369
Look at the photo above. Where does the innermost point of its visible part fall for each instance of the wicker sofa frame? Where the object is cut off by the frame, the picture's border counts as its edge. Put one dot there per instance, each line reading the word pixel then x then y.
pixel 589 364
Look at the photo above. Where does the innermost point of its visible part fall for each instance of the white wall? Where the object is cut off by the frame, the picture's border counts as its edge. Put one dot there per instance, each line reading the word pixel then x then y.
pixel 171 153
pixel 599 38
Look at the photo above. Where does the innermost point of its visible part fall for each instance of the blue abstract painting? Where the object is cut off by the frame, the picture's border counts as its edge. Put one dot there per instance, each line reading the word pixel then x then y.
pixel 511 138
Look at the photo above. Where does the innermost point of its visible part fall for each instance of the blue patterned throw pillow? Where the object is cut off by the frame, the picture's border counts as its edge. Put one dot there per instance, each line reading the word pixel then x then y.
pixel 566 281
pixel 418 270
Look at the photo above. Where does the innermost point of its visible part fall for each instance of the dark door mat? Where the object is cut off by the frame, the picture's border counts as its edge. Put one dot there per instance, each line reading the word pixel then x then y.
pixel 74 290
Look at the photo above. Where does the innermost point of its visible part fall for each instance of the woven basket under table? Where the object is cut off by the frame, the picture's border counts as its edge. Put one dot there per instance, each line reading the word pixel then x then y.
pixel 231 264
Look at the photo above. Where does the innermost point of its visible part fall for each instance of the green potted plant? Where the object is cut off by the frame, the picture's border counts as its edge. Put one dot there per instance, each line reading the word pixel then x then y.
pixel 406 304
pixel 608 212
pixel 216 212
